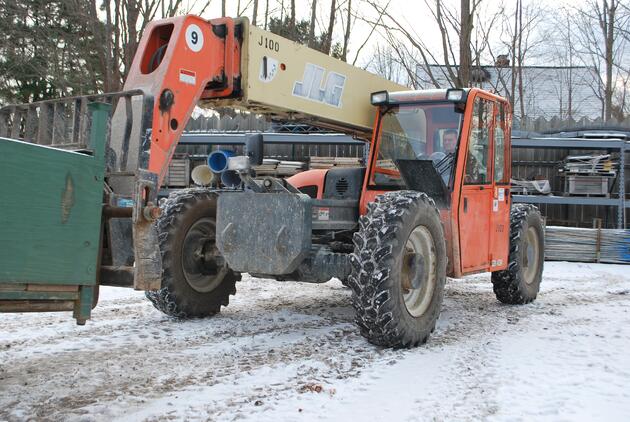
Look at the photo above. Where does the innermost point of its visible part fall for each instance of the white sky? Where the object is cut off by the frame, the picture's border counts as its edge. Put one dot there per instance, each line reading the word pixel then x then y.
pixel 412 13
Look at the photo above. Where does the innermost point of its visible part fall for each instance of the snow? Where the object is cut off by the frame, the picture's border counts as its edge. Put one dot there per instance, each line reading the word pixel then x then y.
pixel 290 351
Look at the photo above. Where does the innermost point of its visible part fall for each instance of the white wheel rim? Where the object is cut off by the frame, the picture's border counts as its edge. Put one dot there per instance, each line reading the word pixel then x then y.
pixel 423 272
pixel 194 261
pixel 530 255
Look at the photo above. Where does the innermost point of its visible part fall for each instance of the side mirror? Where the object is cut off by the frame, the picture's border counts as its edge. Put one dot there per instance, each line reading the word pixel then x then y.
pixel 254 149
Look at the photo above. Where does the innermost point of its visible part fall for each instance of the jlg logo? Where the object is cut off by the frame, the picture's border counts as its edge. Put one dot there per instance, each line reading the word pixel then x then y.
pixel 311 86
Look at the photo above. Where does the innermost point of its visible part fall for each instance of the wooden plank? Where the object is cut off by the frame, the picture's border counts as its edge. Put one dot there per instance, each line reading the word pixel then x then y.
pixel 30 126
pixel 4 124
pixel 38 306
pixel 51 288
pixel 44 135
pixel 39 295
pixel 59 124
pixel 17 122
pixel 12 287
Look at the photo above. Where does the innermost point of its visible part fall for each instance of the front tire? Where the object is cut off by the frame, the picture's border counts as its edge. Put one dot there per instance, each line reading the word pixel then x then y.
pixel 398 270
pixel 520 282
pixel 196 281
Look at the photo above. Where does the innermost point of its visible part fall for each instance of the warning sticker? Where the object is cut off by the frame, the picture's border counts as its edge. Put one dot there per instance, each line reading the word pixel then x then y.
pixel 322 214
pixel 187 76
pixel 495 205
pixel 501 194
pixel 268 69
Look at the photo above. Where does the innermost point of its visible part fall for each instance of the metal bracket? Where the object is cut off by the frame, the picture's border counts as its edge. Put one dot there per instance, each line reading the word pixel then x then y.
pixel 148 261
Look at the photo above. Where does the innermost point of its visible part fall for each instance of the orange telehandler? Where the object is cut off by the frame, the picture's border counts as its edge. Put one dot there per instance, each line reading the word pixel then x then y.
pixel 432 201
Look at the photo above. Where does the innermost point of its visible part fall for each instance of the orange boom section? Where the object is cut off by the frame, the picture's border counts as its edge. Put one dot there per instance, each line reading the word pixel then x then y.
pixel 180 61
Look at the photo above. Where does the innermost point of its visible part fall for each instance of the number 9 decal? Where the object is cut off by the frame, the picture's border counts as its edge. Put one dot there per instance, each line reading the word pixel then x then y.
pixel 194 38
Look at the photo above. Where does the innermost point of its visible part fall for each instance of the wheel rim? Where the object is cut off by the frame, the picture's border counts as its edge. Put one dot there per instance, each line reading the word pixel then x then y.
pixel 418 273
pixel 530 257
pixel 202 265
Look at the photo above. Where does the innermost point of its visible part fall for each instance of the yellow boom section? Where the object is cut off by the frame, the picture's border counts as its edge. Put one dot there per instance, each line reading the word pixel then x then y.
pixel 289 80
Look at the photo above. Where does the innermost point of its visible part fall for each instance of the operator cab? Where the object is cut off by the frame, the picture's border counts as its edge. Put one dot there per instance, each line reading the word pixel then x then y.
pixel 419 134
pixel 453 145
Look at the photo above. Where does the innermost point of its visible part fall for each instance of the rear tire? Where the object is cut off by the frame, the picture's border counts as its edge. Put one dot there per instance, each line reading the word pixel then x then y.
pixel 520 282
pixel 195 281
pixel 398 270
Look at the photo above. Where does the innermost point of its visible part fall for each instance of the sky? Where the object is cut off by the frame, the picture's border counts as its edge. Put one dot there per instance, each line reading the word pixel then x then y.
pixel 413 14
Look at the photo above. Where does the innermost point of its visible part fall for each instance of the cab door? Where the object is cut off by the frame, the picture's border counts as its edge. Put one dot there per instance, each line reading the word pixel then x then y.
pixel 477 196
pixel 501 203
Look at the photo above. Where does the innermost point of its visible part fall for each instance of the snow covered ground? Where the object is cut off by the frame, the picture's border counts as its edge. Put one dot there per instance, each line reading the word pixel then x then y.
pixel 289 351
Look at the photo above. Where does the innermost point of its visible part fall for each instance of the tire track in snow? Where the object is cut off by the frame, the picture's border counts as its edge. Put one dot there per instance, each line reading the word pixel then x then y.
pixel 272 340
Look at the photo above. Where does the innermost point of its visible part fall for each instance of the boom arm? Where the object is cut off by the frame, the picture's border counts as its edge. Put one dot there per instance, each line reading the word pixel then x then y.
pixel 187 61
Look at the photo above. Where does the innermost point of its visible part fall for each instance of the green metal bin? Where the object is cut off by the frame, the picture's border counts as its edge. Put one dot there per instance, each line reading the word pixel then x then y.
pixel 50 222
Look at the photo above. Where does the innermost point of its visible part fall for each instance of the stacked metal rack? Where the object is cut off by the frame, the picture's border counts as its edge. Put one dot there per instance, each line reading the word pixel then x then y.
pixel 610 141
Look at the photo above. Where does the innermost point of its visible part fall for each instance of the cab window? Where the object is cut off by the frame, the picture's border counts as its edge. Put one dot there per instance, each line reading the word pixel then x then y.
pixel 478 156
pixel 410 132
pixel 501 155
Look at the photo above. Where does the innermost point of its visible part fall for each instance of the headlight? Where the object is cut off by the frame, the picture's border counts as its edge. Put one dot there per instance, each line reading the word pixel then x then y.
pixel 455 95
pixel 378 98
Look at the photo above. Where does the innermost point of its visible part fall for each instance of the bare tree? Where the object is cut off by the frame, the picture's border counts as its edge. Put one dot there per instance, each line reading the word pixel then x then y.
pixel 522 40
pixel 116 40
pixel 331 25
pixel 466 26
pixel 346 35
pixel 455 27
pixel 387 62
pixel 311 28
pixel 374 25
pixel 255 12
pixel 563 54
pixel 603 44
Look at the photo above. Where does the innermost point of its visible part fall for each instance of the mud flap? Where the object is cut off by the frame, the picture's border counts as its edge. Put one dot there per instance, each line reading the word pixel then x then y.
pixel 264 233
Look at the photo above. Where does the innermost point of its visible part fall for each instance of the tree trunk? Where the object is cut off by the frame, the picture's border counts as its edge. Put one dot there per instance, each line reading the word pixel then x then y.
pixel 331 24
pixel 570 75
pixel 346 36
pixel 108 85
pixel 513 81
pixel 466 23
pixel 255 12
pixel 311 28
pixel 292 22
pixel 609 32
pixel 133 13
pixel 521 100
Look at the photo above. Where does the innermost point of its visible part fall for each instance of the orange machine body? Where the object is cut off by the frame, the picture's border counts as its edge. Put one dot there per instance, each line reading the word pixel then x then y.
pixel 181 61
pixel 186 59
pixel 476 223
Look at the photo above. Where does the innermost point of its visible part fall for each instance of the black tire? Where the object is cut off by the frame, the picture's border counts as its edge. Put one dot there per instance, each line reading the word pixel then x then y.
pixel 192 286
pixel 520 282
pixel 381 249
